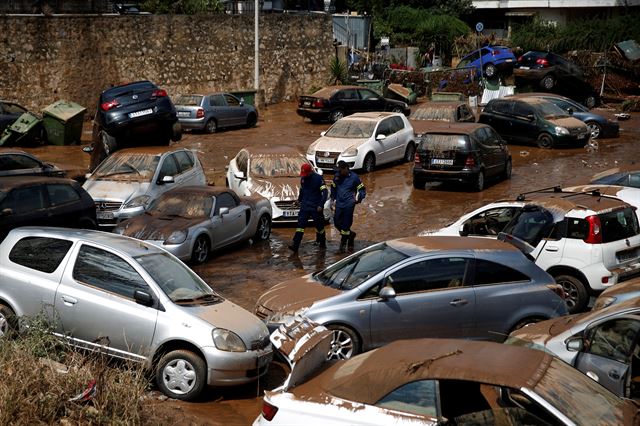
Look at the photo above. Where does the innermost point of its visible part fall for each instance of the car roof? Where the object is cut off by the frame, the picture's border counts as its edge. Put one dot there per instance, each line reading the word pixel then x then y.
pixel 370 376
pixel 370 115
pixel 539 95
pixel 13 151
pixel 330 90
pixel 9 182
pixel 564 202
pixel 622 169
pixel 440 104
pixel 413 246
pixel 275 150
pixel 151 150
pixel 442 127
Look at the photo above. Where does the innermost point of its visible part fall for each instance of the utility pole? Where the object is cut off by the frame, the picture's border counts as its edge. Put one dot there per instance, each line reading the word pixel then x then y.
pixel 256 69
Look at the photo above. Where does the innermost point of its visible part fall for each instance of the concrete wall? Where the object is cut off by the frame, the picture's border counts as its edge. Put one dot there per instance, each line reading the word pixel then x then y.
pixel 43 59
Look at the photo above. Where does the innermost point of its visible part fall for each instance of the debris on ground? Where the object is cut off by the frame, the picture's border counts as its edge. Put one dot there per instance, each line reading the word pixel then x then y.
pixel 86 395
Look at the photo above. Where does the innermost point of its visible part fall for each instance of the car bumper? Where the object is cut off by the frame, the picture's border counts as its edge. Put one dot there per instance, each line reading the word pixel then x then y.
pixel 530 74
pixel 109 219
pixel 181 251
pixel 570 140
pixel 313 114
pixel 610 130
pixel 353 162
pixel 192 123
pixel 236 368
pixel 458 176
pixel 120 123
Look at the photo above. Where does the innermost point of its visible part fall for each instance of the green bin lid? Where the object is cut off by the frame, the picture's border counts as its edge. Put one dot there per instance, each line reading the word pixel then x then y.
pixel 24 123
pixel 63 110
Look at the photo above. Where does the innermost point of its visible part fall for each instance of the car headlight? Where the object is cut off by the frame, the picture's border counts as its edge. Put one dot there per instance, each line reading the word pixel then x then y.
pixel 603 302
pixel 312 149
pixel 561 130
pixel 229 341
pixel 140 201
pixel 118 230
pixel 352 151
pixel 176 237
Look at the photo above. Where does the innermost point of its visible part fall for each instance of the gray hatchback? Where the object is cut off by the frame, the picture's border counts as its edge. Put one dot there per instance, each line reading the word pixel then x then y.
pixel 215 111
pixel 418 287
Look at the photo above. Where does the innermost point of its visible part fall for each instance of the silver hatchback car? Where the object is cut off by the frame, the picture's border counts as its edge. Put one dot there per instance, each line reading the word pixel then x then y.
pixel 456 287
pixel 131 300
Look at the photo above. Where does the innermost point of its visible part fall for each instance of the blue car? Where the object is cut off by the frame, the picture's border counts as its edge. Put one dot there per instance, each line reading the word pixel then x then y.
pixel 494 59
pixel 599 126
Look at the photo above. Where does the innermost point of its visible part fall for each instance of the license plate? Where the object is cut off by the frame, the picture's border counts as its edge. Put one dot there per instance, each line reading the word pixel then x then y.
pixel 524 68
pixel 104 215
pixel 290 213
pixel 307 103
pixel 140 113
pixel 183 113
pixel 442 161
pixel 325 160
pixel 509 60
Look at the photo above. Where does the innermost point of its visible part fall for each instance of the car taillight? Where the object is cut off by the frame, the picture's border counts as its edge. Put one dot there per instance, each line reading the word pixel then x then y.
pixel 495 52
pixel 159 93
pixel 470 161
pixel 557 289
pixel 543 62
pixel 417 159
pixel 106 106
pixel 595 235
pixel 318 103
pixel 520 58
pixel 268 411
pixel 200 113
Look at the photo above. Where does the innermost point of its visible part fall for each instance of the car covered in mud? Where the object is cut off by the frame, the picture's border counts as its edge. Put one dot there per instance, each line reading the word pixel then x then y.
pixel 626 175
pixel 215 111
pixel 428 114
pixel 627 194
pixel 14 162
pixel 130 300
pixel 619 293
pixel 604 344
pixel 272 172
pixel 192 221
pixel 128 181
pixel 435 382
pixel 418 287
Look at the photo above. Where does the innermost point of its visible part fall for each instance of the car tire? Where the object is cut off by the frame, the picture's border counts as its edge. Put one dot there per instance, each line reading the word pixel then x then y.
pixel 369 163
pixel 181 374
pixel 8 322
pixel 336 115
pixel 200 251
pixel 507 170
pixel 525 322
pixel 410 152
pixel 594 129
pixel 419 183
pixel 103 146
pixel 397 109
pixel 490 70
pixel 478 184
pixel 548 82
pixel 263 230
pixel 545 141
pixel 176 132
pixel 577 296
pixel 251 120
pixel 345 343
pixel 211 126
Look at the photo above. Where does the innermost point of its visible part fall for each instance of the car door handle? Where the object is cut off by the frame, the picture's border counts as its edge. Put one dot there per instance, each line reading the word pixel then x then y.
pixel 552 248
pixel 614 375
pixel 458 302
pixel 68 300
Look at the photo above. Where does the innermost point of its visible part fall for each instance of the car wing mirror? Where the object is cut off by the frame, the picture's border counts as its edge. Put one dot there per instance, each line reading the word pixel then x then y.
pixel 143 298
pixel 166 179
pixel 387 292
pixel 575 344
pixel 240 175
pixel 6 212
pixel 87 149
pixel 87 176
pixel 531 117
pixel 323 133
pixel 223 211
pixel 464 230
pixel 241 101
pixel 381 137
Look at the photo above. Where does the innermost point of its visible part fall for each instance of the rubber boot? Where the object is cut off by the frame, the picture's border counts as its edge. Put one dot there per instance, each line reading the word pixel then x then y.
pixel 343 243
pixel 321 239
pixel 295 245
pixel 352 238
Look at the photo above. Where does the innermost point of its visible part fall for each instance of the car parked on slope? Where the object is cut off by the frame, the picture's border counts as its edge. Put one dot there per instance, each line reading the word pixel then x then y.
pixel 556 74
pixel 215 111
pixel 626 175
pixel 465 153
pixel 9 112
pixel 534 120
pixel 428 114
pixel 127 182
pixel 132 300
pixel 189 222
pixel 490 60
pixel 418 287
pixel 334 102
pixel 272 172
pixel 38 200
pixel 604 344
pixel 363 141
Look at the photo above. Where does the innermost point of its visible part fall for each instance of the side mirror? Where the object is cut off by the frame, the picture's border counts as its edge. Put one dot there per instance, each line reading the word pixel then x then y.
pixel 531 117
pixel 240 176
pixel 6 212
pixel 381 137
pixel 142 298
pixel 464 230
pixel 323 133
pixel 223 211
pixel 387 292
pixel 241 101
pixel 166 179
pixel 570 111
pixel 575 344
pixel 87 176
pixel 87 149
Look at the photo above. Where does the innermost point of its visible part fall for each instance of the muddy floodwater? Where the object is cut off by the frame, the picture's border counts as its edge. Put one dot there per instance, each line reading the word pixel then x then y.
pixel 392 209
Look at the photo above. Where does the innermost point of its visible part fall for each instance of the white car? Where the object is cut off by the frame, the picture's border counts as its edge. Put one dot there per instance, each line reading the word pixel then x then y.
pixel 273 172
pixel 363 141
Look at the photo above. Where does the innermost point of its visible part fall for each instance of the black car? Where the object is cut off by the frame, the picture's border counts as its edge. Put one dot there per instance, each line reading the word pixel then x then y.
pixel 133 114
pixel 9 112
pixel 19 163
pixel 461 152
pixel 44 201
pixel 553 73
pixel 334 102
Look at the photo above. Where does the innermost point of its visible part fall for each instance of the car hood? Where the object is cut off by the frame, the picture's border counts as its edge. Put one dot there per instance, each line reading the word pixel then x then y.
pixel 156 228
pixel 337 144
pixel 279 188
pixel 544 331
pixel 293 295
pixel 113 190
pixel 568 122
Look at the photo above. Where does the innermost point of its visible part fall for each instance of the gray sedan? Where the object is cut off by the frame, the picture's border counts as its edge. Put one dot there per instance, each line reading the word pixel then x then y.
pixel 418 287
pixel 212 112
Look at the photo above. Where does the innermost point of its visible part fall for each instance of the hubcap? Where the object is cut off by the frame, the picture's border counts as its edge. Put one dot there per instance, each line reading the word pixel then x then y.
pixel 201 250
pixel 595 130
pixel 571 293
pixel 264 228
pixel 4 326
pixel 341 346
pixel 337 115
pixel 179 376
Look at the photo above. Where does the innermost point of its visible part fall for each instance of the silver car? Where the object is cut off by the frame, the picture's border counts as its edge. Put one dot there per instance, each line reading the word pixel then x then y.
pixel 125 183
pixel 418 287
pixel 215 111
pixel 603 344
pixel 618 293
pixel 132 300
pixel 190 222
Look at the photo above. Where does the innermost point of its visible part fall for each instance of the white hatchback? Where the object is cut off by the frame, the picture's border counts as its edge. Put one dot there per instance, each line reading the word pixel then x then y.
pixel 363 141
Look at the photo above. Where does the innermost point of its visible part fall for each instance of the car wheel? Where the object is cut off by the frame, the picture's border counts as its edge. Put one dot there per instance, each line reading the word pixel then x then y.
pixel 211 126
pixel 397 109
pixel 8 322
pixel 507 170
pixel 176 132
pixel 490 70
pixel 200 251
pixel 548 82
pixel 409 153
pixel 525 322
pixel 369 163
pixel 251 120
pixel 594 129
pixel 336 115
pixel 576 295
pixel 181 374
pixel 590 102
pixel 545 141
pixel 103 146
pixel 344 343
pixel 264 228
pixel 478 185
pixel 419 183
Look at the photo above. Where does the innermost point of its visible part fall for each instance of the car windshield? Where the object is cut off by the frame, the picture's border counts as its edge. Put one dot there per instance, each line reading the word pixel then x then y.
pixel 434 113
pixel 351 129
pixel 276 166
pixel 189 100
pixel 549 110
pixel 187 205
pixel 129 167
pixel 439 143
pixel 531 224
pixel 579 397
pixel 354 270
pixel 177 281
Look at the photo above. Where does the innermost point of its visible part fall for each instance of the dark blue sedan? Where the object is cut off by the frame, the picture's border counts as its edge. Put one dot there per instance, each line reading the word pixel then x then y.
pixel 494 59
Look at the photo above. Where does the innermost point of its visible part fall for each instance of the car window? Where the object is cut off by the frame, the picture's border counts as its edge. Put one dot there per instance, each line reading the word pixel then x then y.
pixel 188 100
pixel 347 94
pixel 385 127
pixel 225 199
pixel 419 397
pixel 13 109
pixel 62 194
pixel 489 222
pixel 521 109
pixel 531 224
pixel 464 113
pixel 169 167
pixel 40 253
pixel 25 200
pixel 502 107
pixel 487 272
pixel 232 100
pixel 634 180
pixel 184 162
pixel 106 271
pixel 241 160
pixel 18 162
pixel 618 225
pixel 613 339
pixel 397 124
pixel 432 274
pixel 216 100
pixel 368 94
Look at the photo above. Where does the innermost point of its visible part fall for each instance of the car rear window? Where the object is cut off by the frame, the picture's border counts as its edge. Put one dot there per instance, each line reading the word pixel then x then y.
pixel 435 113
pixel 438 143
pixel 40 253
pixel 618 225
pixel 189 100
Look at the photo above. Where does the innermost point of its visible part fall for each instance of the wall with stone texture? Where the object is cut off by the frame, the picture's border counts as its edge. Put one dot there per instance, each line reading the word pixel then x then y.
pixel 43 59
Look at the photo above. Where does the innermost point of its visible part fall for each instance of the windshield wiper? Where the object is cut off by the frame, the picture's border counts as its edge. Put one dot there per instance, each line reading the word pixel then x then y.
pixel 120 172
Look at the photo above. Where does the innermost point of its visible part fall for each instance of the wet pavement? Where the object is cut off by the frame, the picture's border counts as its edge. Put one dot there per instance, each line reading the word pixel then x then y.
pixel 392 209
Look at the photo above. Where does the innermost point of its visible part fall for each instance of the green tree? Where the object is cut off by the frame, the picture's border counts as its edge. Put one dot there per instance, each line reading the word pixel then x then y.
pixel 188 7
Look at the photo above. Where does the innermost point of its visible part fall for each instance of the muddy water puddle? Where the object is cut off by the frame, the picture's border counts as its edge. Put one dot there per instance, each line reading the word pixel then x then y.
pixel 392 209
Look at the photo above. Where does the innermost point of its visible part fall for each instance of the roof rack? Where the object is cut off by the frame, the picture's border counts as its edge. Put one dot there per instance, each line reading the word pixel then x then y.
pixel 555 189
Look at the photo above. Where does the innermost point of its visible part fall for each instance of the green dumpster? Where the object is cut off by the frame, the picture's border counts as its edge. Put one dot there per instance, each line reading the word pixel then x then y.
pixel 25 129
pixel 62 121
pixel 249 96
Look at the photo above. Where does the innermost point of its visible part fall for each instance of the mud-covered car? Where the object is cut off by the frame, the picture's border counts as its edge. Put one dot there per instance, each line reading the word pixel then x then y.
pixel 627 194
pixel 130 300
pixel 272 172
pixel 436 382
pixel 209 113
pixel 619 293
pixel 626 175
pixel 429 114
pixel 192 221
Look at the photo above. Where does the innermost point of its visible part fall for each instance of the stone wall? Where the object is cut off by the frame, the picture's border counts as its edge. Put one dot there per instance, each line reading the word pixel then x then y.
pixel 43 59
